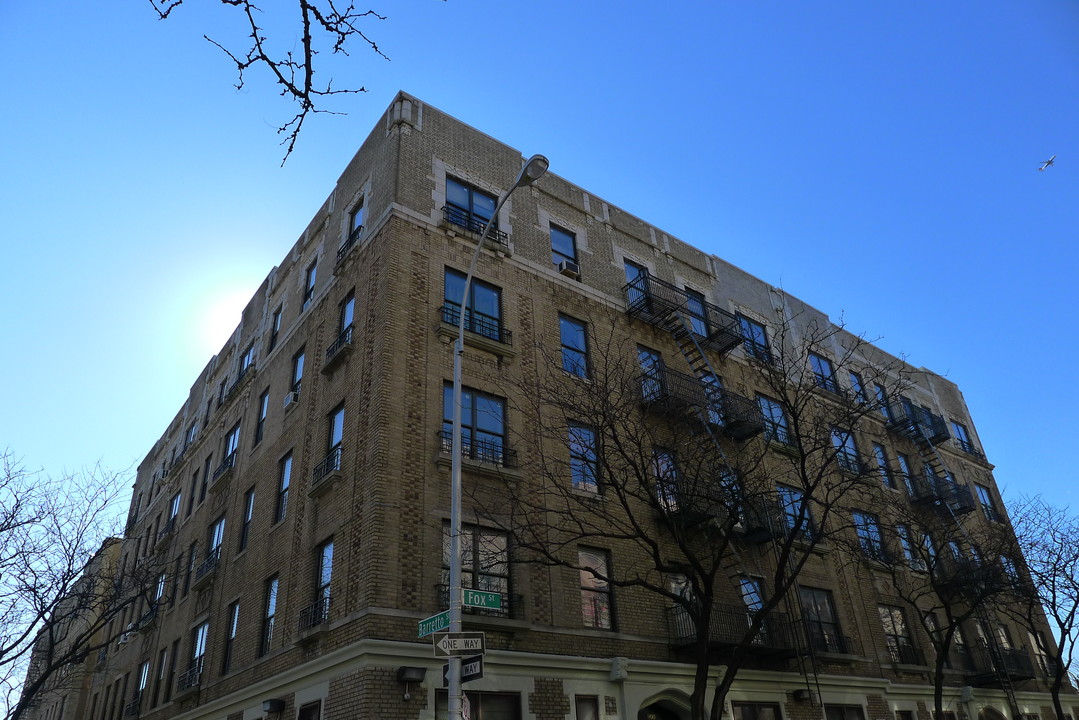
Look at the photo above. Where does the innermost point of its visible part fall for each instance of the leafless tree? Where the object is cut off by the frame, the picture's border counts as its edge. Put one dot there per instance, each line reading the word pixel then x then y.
pixel 57 592
pixel 322 25
pixel 709 507
pixel 1048 537
pixel 943 563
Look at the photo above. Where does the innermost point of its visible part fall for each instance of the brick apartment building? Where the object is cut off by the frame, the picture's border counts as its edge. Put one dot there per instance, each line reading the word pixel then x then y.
pixel 295 510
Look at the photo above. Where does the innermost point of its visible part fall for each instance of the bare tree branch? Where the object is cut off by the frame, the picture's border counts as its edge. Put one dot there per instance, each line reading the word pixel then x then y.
pixel 323 24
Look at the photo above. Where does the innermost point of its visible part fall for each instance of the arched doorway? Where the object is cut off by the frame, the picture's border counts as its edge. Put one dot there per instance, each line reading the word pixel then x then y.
pixel 663 710
pixel 988 713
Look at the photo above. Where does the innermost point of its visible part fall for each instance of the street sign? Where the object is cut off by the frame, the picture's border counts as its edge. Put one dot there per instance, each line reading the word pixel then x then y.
pixel 482 599
pixel 471 669
pixel 433 624
pixel 462 643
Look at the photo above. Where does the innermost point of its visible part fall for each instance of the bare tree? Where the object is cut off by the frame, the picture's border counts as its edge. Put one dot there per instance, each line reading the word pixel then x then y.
pixel 710 507
pixel 1048 538
pixel 942 562
pixel 58 592
pixel 323 25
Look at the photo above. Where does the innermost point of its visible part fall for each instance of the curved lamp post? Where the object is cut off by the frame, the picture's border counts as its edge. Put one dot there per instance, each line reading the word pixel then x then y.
pixel 533 170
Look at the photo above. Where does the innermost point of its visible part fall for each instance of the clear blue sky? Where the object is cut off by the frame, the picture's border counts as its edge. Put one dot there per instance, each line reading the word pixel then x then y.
pixel 876 159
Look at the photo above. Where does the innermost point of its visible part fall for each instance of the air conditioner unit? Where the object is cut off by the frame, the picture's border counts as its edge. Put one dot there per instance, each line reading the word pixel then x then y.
pixel 124 639
pixel 129 628
pixel 569 269
pixel 291 398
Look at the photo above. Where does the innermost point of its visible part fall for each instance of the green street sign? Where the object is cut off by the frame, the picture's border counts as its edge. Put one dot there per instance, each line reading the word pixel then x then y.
pixel 435 623
pixel 482 599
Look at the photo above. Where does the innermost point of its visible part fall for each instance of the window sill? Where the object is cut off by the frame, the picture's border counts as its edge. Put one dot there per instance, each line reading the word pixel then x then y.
pixel 449 333
pixel 501 248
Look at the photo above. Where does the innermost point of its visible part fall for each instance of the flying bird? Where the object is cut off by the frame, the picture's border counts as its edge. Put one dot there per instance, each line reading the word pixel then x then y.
pixel 1047 163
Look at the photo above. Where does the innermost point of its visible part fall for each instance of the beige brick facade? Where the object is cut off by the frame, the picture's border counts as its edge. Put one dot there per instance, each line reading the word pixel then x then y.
pixel 383 496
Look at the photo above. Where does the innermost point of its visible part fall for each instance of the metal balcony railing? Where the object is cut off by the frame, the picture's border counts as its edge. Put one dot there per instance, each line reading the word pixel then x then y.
pixel 495 453
pixel 209 565
pixel 226 465
pixel 654 300
pixel 166 530
pixel 944 494
pixel 330 463
pixel 968 447
pixel 666 389
pixel 917 423
pixel 191 677
pixel 989 664
pixel 728 625
pixel 473 223
pixel 850 462
pixel 344 339
pixel 134 707
pixel 903 652
pixel 349 243
pixel 511 604
pixel 315 614
pixel 476 323
pixel 829 642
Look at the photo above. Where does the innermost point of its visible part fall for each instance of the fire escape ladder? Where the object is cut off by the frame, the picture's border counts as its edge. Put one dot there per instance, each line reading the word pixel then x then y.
pixel 679 326
pixel 932 458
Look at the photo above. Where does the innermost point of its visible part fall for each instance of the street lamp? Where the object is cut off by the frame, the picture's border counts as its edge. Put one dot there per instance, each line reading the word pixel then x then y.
pixel 532 171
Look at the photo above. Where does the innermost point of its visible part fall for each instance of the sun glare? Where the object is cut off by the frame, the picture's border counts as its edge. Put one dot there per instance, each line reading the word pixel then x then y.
pixel 218 319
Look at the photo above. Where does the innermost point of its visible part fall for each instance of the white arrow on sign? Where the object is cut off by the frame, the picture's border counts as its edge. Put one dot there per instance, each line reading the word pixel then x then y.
pixel 465 643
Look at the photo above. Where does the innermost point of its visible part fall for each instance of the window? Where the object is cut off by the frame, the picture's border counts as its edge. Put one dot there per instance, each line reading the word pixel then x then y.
pixel 651 373
pixel 247 359
pixel 857 388
pixel 162 662
pixel 846 451
pixel 823 374
pixel 297 372
pixel 574 339
pixel 346 314
pixel 335 436
pixel 192 559
pixel 754 339
pixel 174 658
pixel 284 475
pixel 750 588
pixel 882 401
pixel 310 711
pixel 483 424
pixel 269 613
pixel 755 711
pixel 583 465
pixel 355 221
pixel 775 420
pixel 638 294
pixel 484 705
pixel 230 636
pixel 468 207
pixel 795 513
pixel 587 707
pixel 198 646
pixel 325 574
pixel 232 444
pixel 867 527
pixel 985 498
pixel 174 507
pixel 249 512
pixel 206 471
pixel 275 328
pixel 882 465
pixel 563 246
pixel 483 307
pixel 698 316
pixel 144 680
pixel 309 283
pixel 820 618
pixel 665 472
pixel 484 560
pixel 595 589
pixel 260 423
pixel 1011 570
pixel 216 536
pixel 159 590
pixel 907 546
pixel 905 473
pixel 1040 647
pixel 962 437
